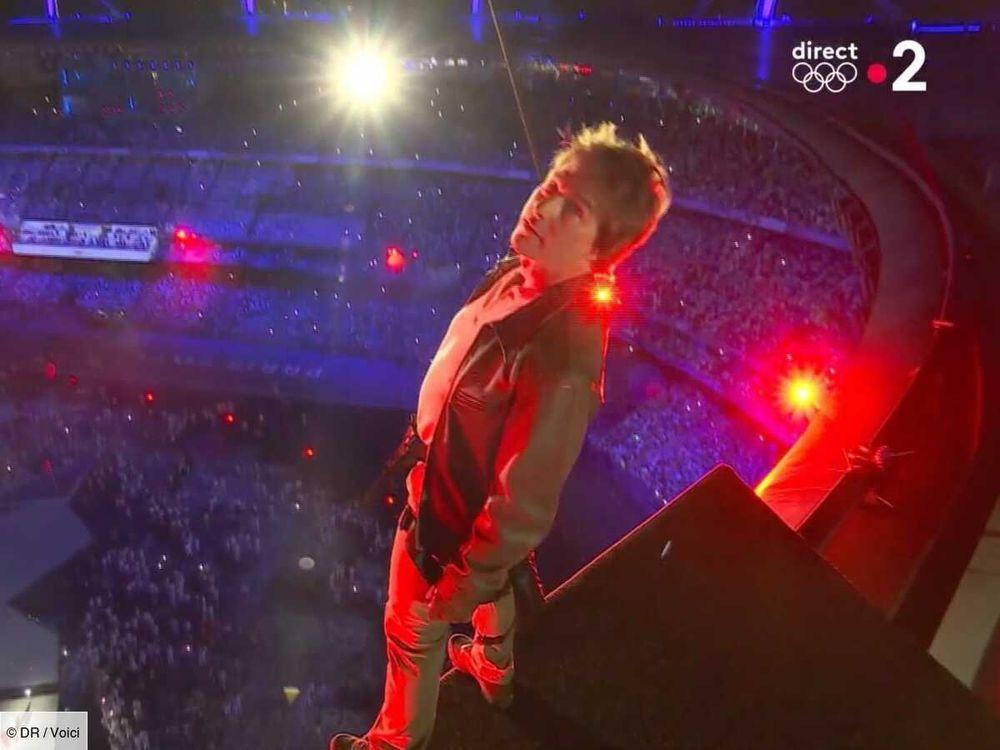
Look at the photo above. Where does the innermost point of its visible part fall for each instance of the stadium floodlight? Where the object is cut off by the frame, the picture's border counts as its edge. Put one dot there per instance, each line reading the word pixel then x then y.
pixel 367 75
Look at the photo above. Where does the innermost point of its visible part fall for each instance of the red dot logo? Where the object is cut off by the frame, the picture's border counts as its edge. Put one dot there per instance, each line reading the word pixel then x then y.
pixel 877 73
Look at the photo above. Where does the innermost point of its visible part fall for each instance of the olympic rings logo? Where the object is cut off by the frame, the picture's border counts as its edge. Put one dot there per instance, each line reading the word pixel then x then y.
pixel 824 75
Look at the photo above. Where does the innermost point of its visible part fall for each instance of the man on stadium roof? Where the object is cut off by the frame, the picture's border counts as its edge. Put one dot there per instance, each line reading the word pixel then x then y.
pixel 501 418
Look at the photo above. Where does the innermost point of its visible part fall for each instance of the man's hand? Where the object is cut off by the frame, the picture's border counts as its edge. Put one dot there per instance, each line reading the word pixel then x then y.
pixel 447 601
pixel 435 606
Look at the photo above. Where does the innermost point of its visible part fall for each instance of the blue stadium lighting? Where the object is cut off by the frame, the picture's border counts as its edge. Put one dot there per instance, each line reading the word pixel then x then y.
pixel 944 28
pixel 718 22
pixel 476 27
pixel 764 53
pixel 784 20
pixel 522 17
pixel 53 17
pixel 764 10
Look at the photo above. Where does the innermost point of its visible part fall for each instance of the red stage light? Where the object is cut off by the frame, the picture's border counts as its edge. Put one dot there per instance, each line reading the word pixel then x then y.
pixel 149 397
pixel 73 380
pixel 229 418
pixel 309 452
pixel 191 249
pixel 394 259
pixel 604 293
pixel 50 371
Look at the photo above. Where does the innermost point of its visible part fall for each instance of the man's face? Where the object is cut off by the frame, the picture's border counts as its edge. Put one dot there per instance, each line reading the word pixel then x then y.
pixel 557 227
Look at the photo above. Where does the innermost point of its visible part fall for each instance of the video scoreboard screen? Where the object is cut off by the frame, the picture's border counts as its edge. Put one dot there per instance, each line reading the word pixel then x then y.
pixel 66 239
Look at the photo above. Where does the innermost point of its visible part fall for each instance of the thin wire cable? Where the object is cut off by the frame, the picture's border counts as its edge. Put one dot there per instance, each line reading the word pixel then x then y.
pixel 517 96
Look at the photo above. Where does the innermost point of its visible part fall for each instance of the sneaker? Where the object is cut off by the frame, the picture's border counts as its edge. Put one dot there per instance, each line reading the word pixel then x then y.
pixel 496 694
pixel 348 742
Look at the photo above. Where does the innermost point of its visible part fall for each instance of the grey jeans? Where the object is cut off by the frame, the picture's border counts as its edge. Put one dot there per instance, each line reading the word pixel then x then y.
pixel 415 651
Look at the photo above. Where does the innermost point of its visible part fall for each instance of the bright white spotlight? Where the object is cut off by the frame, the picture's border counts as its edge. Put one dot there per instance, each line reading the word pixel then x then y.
pixel 367 75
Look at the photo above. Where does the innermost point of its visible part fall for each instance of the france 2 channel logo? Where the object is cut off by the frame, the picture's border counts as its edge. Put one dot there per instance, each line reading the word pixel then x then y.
pixel 832 68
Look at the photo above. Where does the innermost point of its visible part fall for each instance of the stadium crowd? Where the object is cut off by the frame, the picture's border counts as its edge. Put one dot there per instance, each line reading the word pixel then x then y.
pixel 717 151
pixel 195 532
pixel 716 294
pixel 207 548
pixel 669 432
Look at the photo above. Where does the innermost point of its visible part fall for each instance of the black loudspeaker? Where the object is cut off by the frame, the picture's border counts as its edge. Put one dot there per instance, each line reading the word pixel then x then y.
pixel 713 625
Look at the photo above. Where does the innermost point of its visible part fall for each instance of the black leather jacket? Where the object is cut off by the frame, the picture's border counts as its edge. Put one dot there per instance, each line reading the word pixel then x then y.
pixel 509 433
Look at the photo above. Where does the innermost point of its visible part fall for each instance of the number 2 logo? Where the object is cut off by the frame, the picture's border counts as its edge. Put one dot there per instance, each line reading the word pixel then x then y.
pixel 905 82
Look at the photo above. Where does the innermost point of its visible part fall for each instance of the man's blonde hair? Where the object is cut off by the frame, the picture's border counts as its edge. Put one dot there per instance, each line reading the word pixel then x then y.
pixel 628 182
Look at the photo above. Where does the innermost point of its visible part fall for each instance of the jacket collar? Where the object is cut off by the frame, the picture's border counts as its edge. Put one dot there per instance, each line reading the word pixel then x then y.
pixel 517 328
pixel 503 266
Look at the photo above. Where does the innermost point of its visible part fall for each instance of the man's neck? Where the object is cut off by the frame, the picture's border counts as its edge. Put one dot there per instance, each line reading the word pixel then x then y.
pixel 537 278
